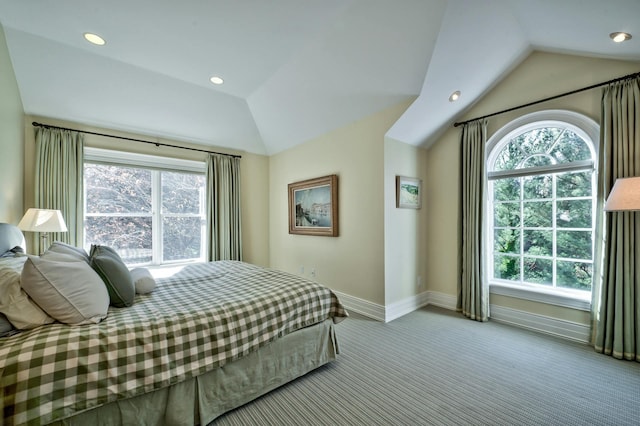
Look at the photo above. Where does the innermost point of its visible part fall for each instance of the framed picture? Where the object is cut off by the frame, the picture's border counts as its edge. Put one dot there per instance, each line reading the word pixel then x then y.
pixel 408 192
pixel 313 207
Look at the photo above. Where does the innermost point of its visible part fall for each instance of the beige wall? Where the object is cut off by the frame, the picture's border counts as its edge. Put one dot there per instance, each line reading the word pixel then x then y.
pixel 11 137
pixel 405 230
pixel 353 262
pixel 254 177
pixel 539 76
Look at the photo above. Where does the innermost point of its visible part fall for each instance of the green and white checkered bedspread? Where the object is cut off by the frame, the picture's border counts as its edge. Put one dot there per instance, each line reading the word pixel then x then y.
pixel 196 320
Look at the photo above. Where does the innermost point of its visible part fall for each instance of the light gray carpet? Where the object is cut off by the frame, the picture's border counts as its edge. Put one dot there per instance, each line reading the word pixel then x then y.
pixel 434 367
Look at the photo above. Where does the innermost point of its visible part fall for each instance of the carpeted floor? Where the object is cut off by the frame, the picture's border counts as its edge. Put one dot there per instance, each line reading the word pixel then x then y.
pixel 434 367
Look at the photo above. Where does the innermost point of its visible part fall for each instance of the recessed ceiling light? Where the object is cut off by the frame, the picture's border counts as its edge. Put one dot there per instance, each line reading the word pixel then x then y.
pixel 619 37
pixel 94 38
pixel 216 80
pixel 454 96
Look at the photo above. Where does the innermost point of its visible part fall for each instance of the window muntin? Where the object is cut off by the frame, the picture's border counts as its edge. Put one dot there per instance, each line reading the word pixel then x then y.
pixel 541 210
pixel 150 216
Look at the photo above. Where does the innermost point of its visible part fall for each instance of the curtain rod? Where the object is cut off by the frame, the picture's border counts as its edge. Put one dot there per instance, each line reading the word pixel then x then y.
pixel 593 86
pixel 48 126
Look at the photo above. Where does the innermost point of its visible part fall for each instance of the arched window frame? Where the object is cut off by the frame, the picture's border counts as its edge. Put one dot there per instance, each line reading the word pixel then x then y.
pixel 588 130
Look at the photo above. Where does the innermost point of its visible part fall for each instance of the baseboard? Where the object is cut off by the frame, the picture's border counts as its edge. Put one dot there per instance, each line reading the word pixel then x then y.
pixel 540 323
pixel 396 310
pixel 406 306
pixel 361 306
pixel 554 326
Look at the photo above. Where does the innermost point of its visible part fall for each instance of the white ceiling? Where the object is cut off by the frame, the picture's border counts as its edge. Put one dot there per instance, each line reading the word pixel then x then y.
pixel 293 69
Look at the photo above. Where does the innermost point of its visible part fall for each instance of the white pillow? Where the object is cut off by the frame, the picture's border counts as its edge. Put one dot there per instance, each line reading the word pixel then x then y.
pixel 15 304
pixel 143 280
pixel 66 288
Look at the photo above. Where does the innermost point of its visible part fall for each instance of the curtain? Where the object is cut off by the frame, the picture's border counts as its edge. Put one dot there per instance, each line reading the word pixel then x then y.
pixel 473 290
pixel 223 207
pixel 617 303
pixel 59 181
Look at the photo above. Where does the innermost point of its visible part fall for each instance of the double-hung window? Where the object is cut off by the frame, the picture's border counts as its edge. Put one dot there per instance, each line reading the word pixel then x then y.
pixel 150 209
pixel 541 209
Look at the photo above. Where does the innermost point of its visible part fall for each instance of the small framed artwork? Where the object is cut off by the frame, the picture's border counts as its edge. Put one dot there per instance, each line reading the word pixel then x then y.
pixel 408 192
pixel 313 207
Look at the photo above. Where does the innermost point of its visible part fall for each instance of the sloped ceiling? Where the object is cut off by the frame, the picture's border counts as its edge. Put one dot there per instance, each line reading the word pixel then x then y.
pixel 292 69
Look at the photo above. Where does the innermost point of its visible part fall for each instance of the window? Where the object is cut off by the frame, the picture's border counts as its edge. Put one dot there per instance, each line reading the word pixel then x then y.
pixel 149 215
pixel 541 221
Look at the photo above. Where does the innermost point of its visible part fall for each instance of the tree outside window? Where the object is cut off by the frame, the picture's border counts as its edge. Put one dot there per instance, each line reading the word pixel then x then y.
pixel 541 186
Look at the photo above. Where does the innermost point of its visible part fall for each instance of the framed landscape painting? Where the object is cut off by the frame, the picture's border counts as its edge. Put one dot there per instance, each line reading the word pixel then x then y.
pixel 313 206
pixel 408 192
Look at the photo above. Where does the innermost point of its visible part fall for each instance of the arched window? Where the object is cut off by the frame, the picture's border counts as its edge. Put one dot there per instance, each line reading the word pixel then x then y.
pixel 542 186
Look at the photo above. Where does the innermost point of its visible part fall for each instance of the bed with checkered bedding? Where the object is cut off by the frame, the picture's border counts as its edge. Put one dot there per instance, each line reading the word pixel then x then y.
pixel 199 319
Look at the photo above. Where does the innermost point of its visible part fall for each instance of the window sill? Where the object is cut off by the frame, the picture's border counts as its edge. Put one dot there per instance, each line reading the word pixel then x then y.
pixel 557 298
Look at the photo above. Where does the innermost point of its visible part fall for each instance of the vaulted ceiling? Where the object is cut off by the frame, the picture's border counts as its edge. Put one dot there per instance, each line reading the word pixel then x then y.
pixel 292 69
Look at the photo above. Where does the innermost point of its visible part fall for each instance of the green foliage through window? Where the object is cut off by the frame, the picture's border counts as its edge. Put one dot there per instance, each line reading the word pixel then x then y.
pixel 542 220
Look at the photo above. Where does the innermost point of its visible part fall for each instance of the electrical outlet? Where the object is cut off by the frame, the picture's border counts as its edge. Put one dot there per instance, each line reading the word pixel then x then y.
pixel 419 282
pixel 313 272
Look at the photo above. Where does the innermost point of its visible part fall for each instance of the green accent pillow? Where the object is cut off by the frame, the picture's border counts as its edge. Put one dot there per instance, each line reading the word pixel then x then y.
pixel 115 274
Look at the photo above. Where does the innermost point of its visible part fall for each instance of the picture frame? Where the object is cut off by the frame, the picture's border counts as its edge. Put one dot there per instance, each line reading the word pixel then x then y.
pixel 408 192
pixel 313 206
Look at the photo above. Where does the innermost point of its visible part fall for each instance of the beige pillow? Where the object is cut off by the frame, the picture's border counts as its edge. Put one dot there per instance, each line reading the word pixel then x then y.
pixel 66 287
pixel 15 304
pixel 64 248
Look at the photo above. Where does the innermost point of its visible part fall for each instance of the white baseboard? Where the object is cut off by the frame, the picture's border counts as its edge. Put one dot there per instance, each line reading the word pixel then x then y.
pixel 396 309
pixel 554 326
pixel 361 306
pixel 406 306
pixel 540 323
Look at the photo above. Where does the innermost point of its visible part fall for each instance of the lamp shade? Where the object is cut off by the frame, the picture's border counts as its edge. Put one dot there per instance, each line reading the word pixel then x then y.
pixel 41 220
pixel 624 196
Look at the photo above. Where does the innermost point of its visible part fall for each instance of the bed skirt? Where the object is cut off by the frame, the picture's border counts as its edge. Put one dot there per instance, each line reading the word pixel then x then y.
pixel 201 399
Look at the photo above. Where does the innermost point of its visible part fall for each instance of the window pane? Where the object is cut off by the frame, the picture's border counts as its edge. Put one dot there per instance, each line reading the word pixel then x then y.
pixel 574 214
pixel 506 268
pixel 538 187
pixel 538 214
pixel 506 189
pixel 574 184
pixel 536 161
pixel 116 189
pixel 181 192
pixel 182 238
pixel 575 275
pixel 507 214
pixel 129 236
pixel 539 271
pixel 507 241
pixel 538 243
pixel 538 141
pixel 571 147
pixel 575 244
pixel 508 158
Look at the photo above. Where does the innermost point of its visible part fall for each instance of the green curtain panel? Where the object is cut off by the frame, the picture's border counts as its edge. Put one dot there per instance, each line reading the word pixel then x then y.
pixel 617 305
pixel 59 179
pixel 223 207
pixel 473 290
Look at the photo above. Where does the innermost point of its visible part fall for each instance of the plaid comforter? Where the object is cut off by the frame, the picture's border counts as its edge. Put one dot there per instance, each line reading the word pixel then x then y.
pixel 196 320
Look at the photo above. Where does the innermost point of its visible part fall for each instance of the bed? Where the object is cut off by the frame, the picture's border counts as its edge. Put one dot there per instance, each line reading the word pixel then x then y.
pixel 209 338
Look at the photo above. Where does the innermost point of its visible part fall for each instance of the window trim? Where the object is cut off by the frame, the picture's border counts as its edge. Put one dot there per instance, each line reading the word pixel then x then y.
pixel 123 158
pixel 586 128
